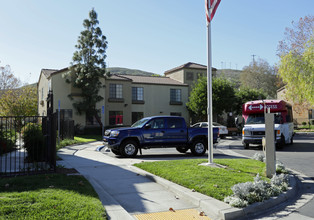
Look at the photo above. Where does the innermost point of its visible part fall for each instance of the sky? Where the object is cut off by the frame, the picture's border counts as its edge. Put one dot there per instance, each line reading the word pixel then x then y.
pixel 149 35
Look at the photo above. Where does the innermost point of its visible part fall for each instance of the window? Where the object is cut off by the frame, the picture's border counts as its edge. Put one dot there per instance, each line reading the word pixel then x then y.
pixel 175 97
pixel 115 117
pixel 175 113
pixel 189 76
pixel 137 116
pixel 115 91
pixel 157 123
pixel 137 95
pixel 175 123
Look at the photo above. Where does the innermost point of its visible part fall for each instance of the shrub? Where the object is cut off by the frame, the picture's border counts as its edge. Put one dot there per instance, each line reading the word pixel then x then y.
pixel 7 141
pixel 34 142
pixel 257 191
pixel 280 168
pixel 304 123
pixel 259 157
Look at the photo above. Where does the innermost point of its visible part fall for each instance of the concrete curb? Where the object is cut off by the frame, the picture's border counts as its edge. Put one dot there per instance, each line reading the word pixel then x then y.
pixel 217 209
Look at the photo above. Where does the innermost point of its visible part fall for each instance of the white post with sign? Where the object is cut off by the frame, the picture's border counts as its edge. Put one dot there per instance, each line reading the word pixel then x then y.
pixel 270 144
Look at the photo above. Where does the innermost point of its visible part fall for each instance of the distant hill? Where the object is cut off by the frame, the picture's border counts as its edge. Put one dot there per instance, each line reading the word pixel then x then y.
pixel 126 71
pixel 231 74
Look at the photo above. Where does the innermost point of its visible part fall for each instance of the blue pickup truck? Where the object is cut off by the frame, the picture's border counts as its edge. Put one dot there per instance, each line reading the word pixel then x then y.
pixel 158 132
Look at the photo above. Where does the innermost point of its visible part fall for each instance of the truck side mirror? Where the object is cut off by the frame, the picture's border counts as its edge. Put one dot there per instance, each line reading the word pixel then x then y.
pixel 238 122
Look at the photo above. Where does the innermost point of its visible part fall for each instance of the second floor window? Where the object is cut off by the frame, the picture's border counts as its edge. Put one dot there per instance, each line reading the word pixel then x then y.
pixel 175 95
pixel 137 93
pixel 115 91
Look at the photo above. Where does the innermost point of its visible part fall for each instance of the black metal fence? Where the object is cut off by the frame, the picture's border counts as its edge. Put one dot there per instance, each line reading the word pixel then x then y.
pixel 27 145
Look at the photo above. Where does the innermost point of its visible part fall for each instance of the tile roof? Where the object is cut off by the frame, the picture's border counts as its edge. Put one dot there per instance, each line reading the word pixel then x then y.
pixel 188 65
pixel 159 80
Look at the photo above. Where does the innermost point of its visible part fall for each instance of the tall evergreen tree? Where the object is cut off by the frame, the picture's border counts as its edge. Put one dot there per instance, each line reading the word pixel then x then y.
pixel 88 66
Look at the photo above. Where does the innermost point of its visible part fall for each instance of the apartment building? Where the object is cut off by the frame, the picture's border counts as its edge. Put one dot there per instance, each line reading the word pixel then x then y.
pixel 127 98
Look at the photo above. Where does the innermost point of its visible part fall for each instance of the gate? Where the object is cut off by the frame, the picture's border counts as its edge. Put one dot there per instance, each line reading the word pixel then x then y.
pixel 28 143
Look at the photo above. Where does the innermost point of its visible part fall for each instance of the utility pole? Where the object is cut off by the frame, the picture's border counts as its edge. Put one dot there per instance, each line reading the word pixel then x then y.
pixel 253 55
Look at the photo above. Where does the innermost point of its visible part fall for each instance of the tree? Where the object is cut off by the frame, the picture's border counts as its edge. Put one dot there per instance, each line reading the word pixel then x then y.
pixel 245 94
pixel 297 37
pixel 297 71
pixel 223 97
pixel 88 66
pixel 296 67
pixel 7 79
pixel 19 102
pixel 261 76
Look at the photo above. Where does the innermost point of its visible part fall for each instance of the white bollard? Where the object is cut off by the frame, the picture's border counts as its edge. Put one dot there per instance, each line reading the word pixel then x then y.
pixel 270 145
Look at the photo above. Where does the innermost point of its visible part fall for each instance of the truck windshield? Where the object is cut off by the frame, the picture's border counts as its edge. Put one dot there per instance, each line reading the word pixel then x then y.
pixel 259 119
pixel 140 123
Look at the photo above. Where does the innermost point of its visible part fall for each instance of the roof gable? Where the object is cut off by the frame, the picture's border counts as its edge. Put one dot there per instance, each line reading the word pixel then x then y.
pixel 189 65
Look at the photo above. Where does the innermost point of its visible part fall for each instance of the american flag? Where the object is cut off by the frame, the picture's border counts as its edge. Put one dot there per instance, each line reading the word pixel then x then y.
pixel 212 7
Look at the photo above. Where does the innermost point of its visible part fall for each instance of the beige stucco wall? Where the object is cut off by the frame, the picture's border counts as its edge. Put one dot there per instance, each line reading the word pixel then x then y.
pixel 42 92
pixel 61 89
pixel 124 106
pixel 157 100
pixel 178 75
pixel 196 74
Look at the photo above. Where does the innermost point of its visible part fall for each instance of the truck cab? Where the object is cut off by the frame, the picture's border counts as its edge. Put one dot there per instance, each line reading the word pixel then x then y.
pixel 254 122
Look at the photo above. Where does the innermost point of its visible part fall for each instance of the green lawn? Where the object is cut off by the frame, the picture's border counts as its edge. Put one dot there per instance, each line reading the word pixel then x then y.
pixel 214 182
pixel 305 128
pixel 50 196
pixel 78 140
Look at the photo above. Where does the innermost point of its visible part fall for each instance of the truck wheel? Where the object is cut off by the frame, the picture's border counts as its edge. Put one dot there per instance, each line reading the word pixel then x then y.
pixel 116 152
pixel 181 150
pixel 246 146
pixel 198 148
pixel 128 148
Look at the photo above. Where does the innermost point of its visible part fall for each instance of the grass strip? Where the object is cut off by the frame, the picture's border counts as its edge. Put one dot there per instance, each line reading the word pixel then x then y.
pixel 214 182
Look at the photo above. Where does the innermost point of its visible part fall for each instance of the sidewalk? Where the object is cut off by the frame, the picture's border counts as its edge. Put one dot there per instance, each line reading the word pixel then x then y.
pixel 126 191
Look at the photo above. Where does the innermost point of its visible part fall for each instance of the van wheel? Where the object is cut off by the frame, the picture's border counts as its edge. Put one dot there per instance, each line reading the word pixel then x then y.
pixel 282 140
pixel 198 148
pixel 128 148
pixel 246 146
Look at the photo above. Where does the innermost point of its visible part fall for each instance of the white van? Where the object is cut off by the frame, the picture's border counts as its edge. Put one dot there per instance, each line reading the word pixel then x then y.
pixel 254 122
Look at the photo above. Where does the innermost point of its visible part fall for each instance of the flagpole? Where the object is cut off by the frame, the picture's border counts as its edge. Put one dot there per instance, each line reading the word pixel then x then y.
pixel 209 91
